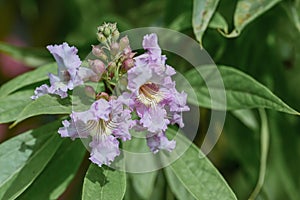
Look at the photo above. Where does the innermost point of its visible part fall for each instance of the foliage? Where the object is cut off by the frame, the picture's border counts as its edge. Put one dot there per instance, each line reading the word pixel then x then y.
pixel 259 66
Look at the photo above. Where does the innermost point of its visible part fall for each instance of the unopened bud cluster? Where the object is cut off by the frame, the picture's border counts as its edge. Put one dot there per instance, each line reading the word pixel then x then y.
pixel 113 56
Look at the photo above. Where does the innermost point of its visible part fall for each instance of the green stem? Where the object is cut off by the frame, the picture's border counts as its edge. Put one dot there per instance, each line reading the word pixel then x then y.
pixel 264 153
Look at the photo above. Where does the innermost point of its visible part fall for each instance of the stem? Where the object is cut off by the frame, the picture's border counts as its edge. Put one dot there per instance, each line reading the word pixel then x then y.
pixel 264 153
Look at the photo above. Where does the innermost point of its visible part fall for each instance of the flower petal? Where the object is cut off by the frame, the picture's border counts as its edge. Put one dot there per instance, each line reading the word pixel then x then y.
pixel 137 76
pixel 65 56
pixel 104 149
pixel 160 141
pixel 155 119
pixel 101 109
pixel 40 91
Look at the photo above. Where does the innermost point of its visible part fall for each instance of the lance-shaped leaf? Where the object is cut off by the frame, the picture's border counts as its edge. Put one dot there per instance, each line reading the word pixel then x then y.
pixel 103 183
pixel 203 11
pixel 226 88
pixel 46 104
pixel 246 11
pixel 194 172
pixel 11 105
pixel 24 157
pixel 59 172
pixel 37 75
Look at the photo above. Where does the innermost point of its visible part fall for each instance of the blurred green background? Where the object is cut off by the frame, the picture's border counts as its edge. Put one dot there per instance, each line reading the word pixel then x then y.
pixel 268 49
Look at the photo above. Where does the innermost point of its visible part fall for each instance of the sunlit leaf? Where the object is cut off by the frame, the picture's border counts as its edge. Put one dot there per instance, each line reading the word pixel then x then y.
pixel 203 11
pixel 218 22
pixel 37 75
pixel 24 157
pixel 103 183
pixel 176 186
pixel 11 105
pixel 196 173
pixel 46 104
pixel 59 172
pixel 248 10
pixel 144 183
pixel 242 91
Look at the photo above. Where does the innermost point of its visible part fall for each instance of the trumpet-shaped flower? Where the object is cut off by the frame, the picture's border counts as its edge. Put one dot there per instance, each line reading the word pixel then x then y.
pixel 155 98
pixel 104 122
pixel 69 73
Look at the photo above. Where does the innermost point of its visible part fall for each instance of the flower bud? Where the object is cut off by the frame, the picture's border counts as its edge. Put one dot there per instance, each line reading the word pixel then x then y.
pixel 124 42
pixel 106 31
pixel 97 51
pixel 115 35
pixel 128 63
pixel 102 95
pixel 101 38
pixel 97 66
pixel 89 91
pixel 114 48
pixel 127 50
pixel 95 78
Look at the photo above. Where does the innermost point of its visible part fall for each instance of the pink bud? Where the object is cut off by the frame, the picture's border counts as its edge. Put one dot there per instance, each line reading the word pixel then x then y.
pixel 128 63
pixel 124 42
pixel 97 51
pixel 103 95
pixel 114 48
pixel 97 66
pixel 89 91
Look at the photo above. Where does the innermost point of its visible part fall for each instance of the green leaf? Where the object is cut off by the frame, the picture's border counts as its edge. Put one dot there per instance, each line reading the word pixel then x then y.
pixel 247 10
pixel 37 75
pixel 242 91
pixel 176 186
pixel 218 22
pixel 11 105
pixel 195 172
pixel 24 157
pixel 103 183
pixel 144 183
pixel 59 172
pixel 203 11
pixel 29 56
pixel 46 104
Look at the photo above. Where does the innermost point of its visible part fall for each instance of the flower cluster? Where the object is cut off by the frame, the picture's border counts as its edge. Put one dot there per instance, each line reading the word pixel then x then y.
pixel 70 74
pixel 149 102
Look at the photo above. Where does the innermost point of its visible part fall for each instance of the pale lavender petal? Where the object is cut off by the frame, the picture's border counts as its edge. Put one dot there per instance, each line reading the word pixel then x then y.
pixel 125 123
pixel 53 78
pixel 65 56
pixel 73 130
pixel 137 76
pixel 40 91
pixel 178 103
pixel 159 142
pixel 126 98
pixel 177 119
pixel 84 116
pixel 155 119
pixel 150 43
pixel 101 109
pixel 68 66
pixel 170 71
pixel 104 149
